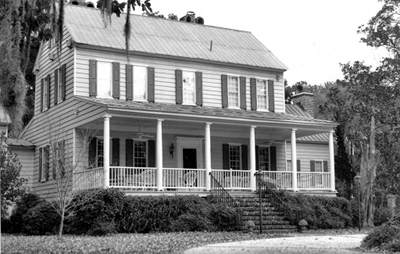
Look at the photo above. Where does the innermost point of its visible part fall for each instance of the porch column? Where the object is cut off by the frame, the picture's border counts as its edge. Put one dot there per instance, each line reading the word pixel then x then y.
pixel 159 155
pixel 106 150
pixel 332 160
pixel 207 150
pixel 294 160
pixel 253 158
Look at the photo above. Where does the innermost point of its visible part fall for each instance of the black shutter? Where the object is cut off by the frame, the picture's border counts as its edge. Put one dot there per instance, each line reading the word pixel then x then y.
pixel 129 152
pixel 92 153
pixel 64 81
pixel 257 158
pixel 312 166
pixel 47 162
pixel 115 80
pixel 225 156
pixel 152 153
pixel 178 86
pixel 199 88
pixel 56 81
pixel 115 152
pixel 62 157
pixel 150 84
pixel 224 90
pixel 93 78
pixel 298 165
pixel 48 79
pixel 325 166
pixel 272 151
pixel 253 93
pixel 40 164
pixel 271 97
pixel 243 93
pixel 129 82
pixel 41 94
pixel 245 165
pixel 56 159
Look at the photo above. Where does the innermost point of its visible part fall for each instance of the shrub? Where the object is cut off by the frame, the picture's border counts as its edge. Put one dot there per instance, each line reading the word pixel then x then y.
pixel 191 222
pixel 225 218
pixel 95 212
pixel 385 236
pixel 381 215
pixel 40 219
pixel 23 204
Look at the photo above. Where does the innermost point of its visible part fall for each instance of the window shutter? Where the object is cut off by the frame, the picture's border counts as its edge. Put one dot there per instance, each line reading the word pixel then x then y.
pixel 298 165
pixel 48 91
pixel 115 152
pixel 41 94
pixel 312 166
pixel 245 165
pixel 64 81
pixel 152 153
pixel 253 93
pixel 129 152
pixel 92 153
pixel 199 88
pixel 47 163
pixel 115 78
pixel 243 93
pixel 55 159
pixel 150 84
pixel 178 86
pixel 325 166
pixel 129 82
pixel 62 157
pixel 93 78
pixel 272 154
pixel 224 90
pixel 257 159
pixel 56 86
pixel 40 164
pixel 271 97
pixel 225 156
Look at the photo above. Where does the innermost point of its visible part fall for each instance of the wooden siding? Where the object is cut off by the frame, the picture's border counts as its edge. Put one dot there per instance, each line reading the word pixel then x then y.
pixel 307 152
pixel 165 77
pixel 26 157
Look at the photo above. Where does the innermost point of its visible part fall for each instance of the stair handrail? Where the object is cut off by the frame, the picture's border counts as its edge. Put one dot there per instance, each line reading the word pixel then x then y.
pixel 220 194
pixel 268 187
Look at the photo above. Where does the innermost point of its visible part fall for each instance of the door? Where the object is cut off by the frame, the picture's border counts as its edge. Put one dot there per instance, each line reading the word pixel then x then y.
pixel 189 158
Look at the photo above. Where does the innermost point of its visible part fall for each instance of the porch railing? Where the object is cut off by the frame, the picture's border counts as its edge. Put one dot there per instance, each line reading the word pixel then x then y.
pixel 280 179
pixel 314 180
pixel 184 178
pixel 232 179
pixel 88 179
pixel 133 177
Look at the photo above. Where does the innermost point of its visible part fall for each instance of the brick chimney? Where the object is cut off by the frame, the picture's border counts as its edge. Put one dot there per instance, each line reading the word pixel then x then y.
pixel 305 101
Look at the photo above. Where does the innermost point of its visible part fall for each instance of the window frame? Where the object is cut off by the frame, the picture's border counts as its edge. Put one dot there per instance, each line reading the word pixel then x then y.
pixel 109 63
pixel 240 155
pixel 59 85
pixel 322 166
pixel 42 150
pixel 192 103
pixel 145 83
pixel 46 93
pixel 146 141
pixel 229 77
pixel 258 80
pixel 269 156
pixel 59 152
pixel 288 165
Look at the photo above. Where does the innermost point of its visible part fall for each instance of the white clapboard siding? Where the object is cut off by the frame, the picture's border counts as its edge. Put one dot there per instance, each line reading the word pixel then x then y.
pixel 26 158
pixel 165 77
pixel 307 152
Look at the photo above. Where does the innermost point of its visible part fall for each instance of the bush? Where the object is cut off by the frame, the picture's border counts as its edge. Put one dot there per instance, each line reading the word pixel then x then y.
pixel 26 202
pixel 191 222
pixel 381 215
pixel 40 220
pixel 95 212
pixel 225 218
pixel 385 236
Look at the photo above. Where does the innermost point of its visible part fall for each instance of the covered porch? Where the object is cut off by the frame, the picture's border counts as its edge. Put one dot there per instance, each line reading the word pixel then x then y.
pixel 150 152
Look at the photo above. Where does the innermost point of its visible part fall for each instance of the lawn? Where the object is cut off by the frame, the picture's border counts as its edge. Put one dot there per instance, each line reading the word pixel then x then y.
pixel 120 243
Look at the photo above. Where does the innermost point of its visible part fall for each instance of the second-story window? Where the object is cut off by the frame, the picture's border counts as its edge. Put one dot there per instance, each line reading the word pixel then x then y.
pixel 139 83
pixel 104 80
pixel 233 92
pixel 189 87
pixel 262 94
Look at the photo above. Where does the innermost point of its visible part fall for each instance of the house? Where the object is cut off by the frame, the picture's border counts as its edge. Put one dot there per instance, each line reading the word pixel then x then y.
pixel 193 106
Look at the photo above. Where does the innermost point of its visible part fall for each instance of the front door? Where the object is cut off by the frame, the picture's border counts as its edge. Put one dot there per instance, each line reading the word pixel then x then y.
pixel 189 158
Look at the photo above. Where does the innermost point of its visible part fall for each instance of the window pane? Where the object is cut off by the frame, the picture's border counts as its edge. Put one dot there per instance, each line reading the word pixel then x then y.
pixel 104 76
pixel 263 157
pixel 289 165
pixel 318 166
pixel 45 94
pixel 261 94
pixel 233 92
pixel 58 84
pixel 140 153
pixel 100 160
pixel 234 157
pixel 139 83
pixel 189 90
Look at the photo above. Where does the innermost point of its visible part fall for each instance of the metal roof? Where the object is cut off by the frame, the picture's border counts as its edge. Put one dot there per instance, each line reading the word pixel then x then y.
pixel 316 138
pixel 296 110
pixel 19 142
pixel 163 37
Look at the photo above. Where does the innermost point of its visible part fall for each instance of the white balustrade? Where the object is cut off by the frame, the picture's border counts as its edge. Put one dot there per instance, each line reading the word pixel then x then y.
pixel 184 178
pixel 232 179
pixel 281 179
pixel 133 177
pixel 88 179
pixel 314 180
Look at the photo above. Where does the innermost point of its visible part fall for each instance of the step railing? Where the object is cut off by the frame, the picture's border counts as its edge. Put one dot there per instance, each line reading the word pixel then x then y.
pixel 220 194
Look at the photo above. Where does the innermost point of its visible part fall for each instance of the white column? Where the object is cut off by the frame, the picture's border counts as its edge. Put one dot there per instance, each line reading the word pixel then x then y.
pixel 252 157
pixel 106 150
pixel 294 160
pixel 332 160
pixel 159 155
pixel 207 151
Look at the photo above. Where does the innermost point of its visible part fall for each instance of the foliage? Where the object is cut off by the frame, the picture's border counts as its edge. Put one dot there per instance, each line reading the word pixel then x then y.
pixel 40 219
pixel 24 203
pixel 225 218
pixel 381 215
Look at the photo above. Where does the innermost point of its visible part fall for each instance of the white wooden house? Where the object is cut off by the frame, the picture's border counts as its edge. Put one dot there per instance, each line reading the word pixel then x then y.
pixel 191 100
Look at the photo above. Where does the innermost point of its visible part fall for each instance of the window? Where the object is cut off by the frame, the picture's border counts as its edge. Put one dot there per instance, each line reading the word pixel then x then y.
pixel 233 92
pixel 288 165
pixel 264 158
pixel 189 87
pixel 100 155
pixel 58 84
pixel 235 157
pixel 104 80
pixel 44 154
pixel 59 159
pixel 140 153
pixel 139 83
pixel 262 94
pixel 318 166
pixel 46 94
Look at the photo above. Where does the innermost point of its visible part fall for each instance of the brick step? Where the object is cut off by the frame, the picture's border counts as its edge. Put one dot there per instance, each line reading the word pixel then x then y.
pixel 264 211
pixel 264 216
pixel 255 204
pixel 274 227
pixel 272 222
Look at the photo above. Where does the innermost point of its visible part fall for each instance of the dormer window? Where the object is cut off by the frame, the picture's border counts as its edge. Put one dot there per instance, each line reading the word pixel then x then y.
pixel 233 92
pixel 262 95
pixel 104 80
pixel 139 83
pixel 189 87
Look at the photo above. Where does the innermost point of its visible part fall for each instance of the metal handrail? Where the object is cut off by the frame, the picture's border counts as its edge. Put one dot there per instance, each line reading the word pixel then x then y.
pixel 221 194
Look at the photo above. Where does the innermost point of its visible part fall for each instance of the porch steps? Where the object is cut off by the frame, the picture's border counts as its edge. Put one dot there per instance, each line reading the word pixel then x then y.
pixel 273 221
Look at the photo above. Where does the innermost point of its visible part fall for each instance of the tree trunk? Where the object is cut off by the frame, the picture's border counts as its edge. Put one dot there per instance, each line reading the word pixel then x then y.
pixel 60 231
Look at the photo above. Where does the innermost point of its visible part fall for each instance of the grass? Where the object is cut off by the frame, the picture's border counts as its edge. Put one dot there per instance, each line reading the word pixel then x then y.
pixel 120 243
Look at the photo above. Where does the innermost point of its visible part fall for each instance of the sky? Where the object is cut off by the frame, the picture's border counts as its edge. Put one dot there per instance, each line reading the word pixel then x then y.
pixel 311 37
